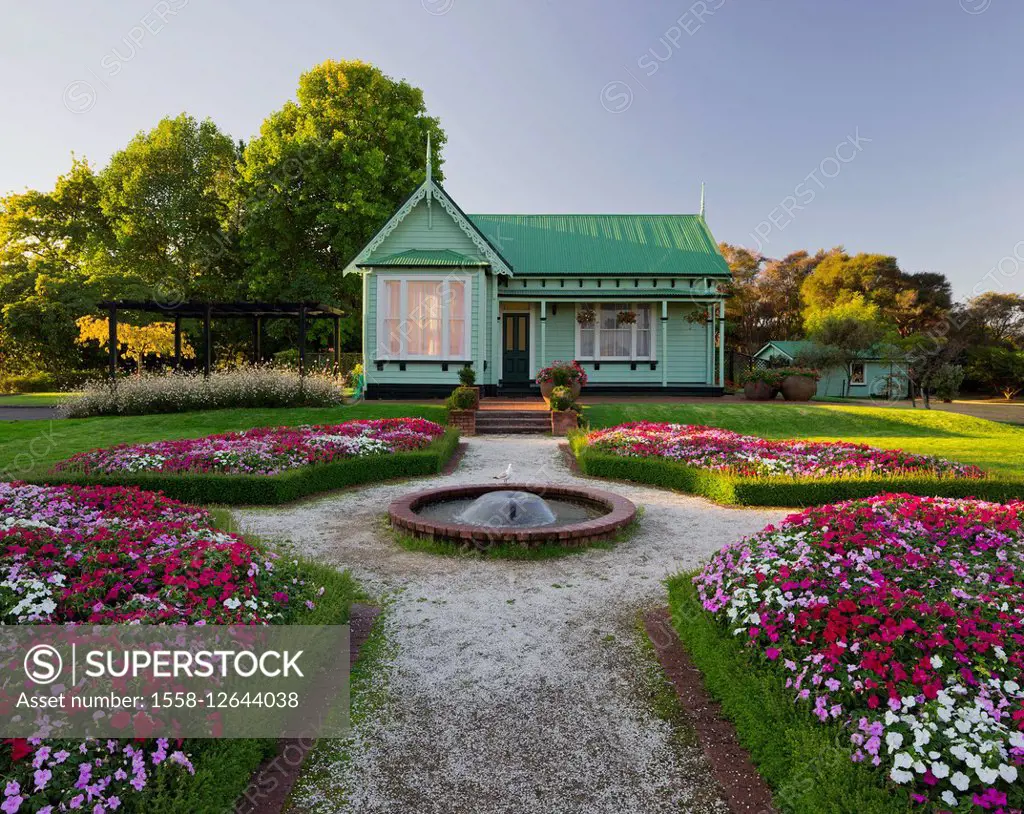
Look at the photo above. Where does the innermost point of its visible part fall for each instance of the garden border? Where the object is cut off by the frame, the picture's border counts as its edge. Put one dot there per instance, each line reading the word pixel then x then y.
pixel 728 489
pixel 802 760
pixel 264 490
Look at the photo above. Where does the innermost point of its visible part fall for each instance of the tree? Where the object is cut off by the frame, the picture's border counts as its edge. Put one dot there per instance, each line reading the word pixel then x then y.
pixel 171 199
pixel 325 173
pixel 842 334
pixel 135 342
pixel 1002 369
pixel 908 302
pixel 49 242
pixel 999 317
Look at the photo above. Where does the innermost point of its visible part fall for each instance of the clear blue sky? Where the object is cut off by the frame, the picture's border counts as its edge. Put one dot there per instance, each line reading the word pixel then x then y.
pixel 751 96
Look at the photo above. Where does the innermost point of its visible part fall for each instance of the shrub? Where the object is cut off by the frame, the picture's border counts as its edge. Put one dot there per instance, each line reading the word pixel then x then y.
pixel 898 618
pixel 43 382
pixel 945 382
pixel 769 376
pixel 805 372
pixel 563 374
pixel 467 376
pixel 462 398
pixel 183 392
pixel 562 399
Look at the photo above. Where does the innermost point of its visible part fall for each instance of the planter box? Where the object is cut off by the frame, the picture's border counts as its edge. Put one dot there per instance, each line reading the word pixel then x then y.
pixel 563 420
pixel 759 391
pixel 463 420
pixel 799 388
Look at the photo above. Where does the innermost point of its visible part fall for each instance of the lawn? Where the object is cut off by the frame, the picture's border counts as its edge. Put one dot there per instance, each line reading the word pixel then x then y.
pixel 30 448
pixel 990 445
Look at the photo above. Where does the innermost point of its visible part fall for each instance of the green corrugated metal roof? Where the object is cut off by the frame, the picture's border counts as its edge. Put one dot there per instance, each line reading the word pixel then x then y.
pixel 671 245
pixel 425 257
pixel 791 347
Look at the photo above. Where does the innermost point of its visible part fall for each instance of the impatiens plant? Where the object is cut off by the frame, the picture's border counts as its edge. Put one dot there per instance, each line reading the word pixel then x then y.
pixel 104 555
pixel 563 374
pixel 264 451
pixel 901 619
pixel 746 455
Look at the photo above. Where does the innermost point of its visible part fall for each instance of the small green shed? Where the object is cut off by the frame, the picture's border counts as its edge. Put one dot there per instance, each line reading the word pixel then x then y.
pixel 874 374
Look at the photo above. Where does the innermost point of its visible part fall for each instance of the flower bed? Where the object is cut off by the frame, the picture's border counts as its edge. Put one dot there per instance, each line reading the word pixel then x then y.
pixel 271 464
pixel 901 620
pixel 732 468
pixel 750 456
pixel 110 555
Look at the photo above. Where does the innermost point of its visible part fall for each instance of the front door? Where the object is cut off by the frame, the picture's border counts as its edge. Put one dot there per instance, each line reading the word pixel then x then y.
pixel 515 360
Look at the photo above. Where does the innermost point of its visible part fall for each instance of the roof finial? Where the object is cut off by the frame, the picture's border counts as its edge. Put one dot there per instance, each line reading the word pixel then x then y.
pixel 702 199
pixel 430 170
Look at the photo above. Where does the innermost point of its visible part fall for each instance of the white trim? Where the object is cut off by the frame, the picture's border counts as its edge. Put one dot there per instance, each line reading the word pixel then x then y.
pixel 597 357
pixel 429 190
pixel 864 374
pixel 382 353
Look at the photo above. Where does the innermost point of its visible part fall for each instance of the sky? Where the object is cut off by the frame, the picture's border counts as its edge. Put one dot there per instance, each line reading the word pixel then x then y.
pixel 888 127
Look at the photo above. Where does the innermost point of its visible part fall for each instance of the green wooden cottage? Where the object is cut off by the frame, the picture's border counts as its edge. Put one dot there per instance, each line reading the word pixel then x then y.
pixel 638 300
pixel 876 374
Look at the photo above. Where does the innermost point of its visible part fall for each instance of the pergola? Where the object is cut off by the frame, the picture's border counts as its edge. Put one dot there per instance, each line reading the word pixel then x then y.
pixel 208 311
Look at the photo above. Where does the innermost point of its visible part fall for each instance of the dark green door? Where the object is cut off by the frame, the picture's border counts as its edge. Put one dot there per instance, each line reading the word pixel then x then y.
pixel 515 367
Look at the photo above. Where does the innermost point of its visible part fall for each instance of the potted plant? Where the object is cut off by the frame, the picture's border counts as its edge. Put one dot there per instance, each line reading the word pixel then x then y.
pixel 561 374
pixel 625 318
pixel 761 384
pixel 565 412
pixel 461 406
pixel 586 316
pixel 799 383
pixel 467 376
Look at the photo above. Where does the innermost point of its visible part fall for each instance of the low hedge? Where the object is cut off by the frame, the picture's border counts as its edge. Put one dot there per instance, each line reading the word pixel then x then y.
pixel 725 488
pixel 262 490
pixel 806 763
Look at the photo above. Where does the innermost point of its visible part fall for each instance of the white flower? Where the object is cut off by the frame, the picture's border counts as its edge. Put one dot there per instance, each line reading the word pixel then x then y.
pixel 986 775
pixel 1008 773
pixel 894 740
pixel 902 760
pixel 936 663
pixel 231 603
pixel 900 776
pixel 949 798
pixel 940 770
pixel 960 781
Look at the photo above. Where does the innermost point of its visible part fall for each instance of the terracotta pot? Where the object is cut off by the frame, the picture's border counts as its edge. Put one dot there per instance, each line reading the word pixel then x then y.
pixel 563 420
pixel 799 388
pixel 759 391
pixel 547 387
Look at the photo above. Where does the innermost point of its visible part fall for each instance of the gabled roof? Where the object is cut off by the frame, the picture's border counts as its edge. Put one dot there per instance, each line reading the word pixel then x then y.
pixel 668 245
pixel 414 258
pixel 791 347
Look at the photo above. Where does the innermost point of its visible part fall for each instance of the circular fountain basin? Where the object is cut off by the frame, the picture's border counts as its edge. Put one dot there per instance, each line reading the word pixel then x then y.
pixel 564 515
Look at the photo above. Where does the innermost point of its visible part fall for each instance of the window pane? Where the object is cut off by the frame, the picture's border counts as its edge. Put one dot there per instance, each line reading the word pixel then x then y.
pixel 457 319
pixel 587 340
pixel 457 339
pixel 390 342
pixel 424 320
pixel 643 332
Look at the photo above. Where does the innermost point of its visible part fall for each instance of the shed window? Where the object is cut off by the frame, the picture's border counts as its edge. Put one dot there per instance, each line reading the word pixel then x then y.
pixel 422 317
pixel 857 373
pixel 608 338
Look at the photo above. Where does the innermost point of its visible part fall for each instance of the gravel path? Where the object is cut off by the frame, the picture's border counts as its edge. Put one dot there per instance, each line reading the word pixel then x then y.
pixel 515 686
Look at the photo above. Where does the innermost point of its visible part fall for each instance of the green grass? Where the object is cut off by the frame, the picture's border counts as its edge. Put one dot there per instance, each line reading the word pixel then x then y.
pixel 806 763
pixel 998 448
pixel 30 448
pixel 33 399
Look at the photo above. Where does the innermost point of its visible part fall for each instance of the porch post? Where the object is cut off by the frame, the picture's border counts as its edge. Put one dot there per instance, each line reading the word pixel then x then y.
pixel 664 343
pixel 543 334
pixel 496 333
pixel 481 353
pixel 721 343
pixel 710 342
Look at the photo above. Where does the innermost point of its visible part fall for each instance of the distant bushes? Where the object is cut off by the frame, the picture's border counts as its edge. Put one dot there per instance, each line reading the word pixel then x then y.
pixel 184 392
pixel 44 382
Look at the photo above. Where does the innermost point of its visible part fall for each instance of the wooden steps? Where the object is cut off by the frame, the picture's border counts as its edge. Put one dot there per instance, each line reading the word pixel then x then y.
pixel 518 422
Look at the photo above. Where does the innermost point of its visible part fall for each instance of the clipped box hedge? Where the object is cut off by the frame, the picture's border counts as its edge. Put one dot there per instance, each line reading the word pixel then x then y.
pixel 806 763
pixel 262 490
pixel 729 489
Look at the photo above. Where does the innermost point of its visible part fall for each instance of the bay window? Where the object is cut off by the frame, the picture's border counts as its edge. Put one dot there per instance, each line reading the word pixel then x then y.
pixel 611 336
pixel 423 317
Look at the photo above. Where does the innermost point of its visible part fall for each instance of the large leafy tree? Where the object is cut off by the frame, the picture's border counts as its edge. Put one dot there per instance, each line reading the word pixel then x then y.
pixel 998 318
pixel 49 244
pixel 908 302
pixel 324 174
pixel 171 199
